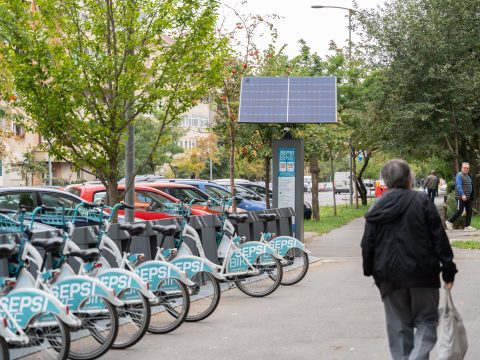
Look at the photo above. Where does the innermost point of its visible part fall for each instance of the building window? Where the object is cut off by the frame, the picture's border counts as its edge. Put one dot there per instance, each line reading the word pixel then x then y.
pixel 195 120
pixel 18 131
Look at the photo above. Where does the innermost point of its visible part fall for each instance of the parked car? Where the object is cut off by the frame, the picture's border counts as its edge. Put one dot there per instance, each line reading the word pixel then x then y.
pixel 257 188
pixel 186 192
pixel 219 192
pixel 149 203
pixel 29 197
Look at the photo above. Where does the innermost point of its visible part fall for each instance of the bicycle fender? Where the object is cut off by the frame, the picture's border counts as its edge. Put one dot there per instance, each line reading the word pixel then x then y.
pixel 155 271
pixel 193 265
pixel 121 279
pixel 284 243
pixel 73 290
pixel 21 305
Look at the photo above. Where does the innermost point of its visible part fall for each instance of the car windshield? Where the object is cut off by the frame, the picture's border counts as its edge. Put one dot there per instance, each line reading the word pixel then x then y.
pixel 217 192
pixel 188 194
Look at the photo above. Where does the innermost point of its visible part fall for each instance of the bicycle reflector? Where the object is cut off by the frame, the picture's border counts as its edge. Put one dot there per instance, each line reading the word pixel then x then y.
pixel 10 283
pixel 5 322
pixel 97 265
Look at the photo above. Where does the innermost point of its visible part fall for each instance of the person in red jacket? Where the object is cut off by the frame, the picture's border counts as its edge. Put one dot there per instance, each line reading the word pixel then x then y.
pixel 405 248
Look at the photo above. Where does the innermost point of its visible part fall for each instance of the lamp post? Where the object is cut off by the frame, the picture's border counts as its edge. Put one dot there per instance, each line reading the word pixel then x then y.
pixel 350 12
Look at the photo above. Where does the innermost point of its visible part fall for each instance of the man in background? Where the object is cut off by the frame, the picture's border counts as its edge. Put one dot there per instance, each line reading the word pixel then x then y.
pixel 432 185
pixel 464 195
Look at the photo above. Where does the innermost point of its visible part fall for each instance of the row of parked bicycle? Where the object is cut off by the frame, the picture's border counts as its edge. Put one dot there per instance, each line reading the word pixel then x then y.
pixel 50 311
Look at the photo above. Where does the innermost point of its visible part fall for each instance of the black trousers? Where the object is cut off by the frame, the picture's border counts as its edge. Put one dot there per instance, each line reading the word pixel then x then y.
pixel 432 193
pixel 461 205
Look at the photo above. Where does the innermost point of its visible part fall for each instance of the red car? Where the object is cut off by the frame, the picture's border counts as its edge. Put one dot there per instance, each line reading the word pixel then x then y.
pixel 149 202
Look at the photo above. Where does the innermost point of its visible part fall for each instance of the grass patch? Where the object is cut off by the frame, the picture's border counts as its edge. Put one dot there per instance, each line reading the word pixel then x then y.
pixel 329 222
pixel 471 245
pixel 476 221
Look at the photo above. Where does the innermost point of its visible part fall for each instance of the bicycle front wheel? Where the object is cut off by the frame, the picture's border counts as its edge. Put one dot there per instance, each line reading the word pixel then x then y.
pixel 295 266
pixel 170 306
pixel 204 296
pixel 49 339
pixel 134 318
pixel 266 278
pixel 98 329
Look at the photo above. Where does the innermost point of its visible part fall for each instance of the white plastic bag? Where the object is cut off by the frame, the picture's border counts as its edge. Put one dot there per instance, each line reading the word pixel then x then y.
pixel 452 342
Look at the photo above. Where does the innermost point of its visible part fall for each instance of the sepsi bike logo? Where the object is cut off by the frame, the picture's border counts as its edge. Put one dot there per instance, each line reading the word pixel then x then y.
pixel 152 272
pixel 237 261
pixel 69 292
pixel 280 244
pixel 190 266
pixel 116 281
pixel 20 306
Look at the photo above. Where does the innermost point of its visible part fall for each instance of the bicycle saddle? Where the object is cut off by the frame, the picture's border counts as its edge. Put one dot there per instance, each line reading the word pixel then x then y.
pixel 267 217
pixel 133 229
pixel 167 230
pixel 8 249
pixel 239 218
pixel 50 244
pixel 86 255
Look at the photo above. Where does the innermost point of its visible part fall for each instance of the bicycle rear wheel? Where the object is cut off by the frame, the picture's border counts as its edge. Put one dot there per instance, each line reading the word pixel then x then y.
pixel 97 331
pixel 295 266
pixel 134 318
pixel 266 280
pixel 204 296
pixel 49 339
pixel 170 306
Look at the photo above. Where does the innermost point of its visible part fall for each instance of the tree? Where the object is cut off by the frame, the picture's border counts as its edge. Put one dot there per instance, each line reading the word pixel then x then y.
pixel 241 62
pixel 427 55
pixel 146 132
pixel 28 167
pixel 85 71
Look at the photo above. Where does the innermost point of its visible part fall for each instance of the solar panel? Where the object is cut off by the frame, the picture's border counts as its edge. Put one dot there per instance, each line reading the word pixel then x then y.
pixel 288 100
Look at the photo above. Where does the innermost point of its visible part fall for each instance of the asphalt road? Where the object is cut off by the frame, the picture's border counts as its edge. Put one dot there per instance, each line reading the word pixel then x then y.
pixel 334 313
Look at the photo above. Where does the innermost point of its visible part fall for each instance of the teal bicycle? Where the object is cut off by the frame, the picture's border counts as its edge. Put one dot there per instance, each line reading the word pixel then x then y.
pixel 135 313
pixel 34 323
pixel 87 298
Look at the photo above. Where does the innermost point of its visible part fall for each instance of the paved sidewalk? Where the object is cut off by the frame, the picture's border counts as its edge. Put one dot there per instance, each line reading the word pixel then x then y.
pixel 335 313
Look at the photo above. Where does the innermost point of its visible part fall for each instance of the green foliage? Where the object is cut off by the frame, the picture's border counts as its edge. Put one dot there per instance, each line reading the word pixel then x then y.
pixel 85 70
pixel 426 53
pixel 29 167
pixel 466 244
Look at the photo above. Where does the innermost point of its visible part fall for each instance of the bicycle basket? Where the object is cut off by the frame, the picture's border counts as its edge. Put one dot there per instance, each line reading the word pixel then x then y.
pixel 8 225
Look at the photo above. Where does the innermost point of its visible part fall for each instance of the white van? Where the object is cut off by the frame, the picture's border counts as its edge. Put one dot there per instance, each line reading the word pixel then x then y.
pixel 342 182
pixel 307 183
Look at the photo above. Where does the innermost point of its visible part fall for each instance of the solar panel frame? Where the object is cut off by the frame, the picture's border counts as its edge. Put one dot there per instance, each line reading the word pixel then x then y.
pixel 288 100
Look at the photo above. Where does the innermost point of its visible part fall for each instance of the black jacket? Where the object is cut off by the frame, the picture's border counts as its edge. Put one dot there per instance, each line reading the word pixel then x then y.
pixel 404 244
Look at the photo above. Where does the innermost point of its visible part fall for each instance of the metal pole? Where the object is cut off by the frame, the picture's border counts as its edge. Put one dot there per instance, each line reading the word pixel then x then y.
pixel 49 171
pixel 351 177
pixel 129 171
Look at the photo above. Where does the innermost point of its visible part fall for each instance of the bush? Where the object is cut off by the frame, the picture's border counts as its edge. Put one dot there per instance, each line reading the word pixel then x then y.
pixel 451 187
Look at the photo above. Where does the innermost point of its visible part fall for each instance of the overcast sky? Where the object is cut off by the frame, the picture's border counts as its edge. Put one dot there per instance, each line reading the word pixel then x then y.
pixel 300 21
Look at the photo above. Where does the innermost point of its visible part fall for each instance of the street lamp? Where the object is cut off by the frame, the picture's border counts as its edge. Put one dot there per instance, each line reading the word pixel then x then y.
pixel 350 12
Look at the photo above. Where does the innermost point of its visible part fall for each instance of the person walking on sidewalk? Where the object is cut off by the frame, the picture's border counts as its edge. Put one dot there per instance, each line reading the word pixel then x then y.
pixel 464 195
pixel 432 185
pixel 404 248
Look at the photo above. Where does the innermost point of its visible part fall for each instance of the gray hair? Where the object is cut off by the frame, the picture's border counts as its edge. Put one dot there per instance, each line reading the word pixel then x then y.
pixel 397 174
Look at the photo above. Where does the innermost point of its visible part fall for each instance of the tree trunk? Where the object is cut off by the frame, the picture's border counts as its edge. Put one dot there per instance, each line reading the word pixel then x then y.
pixel 354 175
pixel 359 182
pixel 112 195
pixel 232 166
pixel 267 181
pixel 333 182
pixel 314 170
